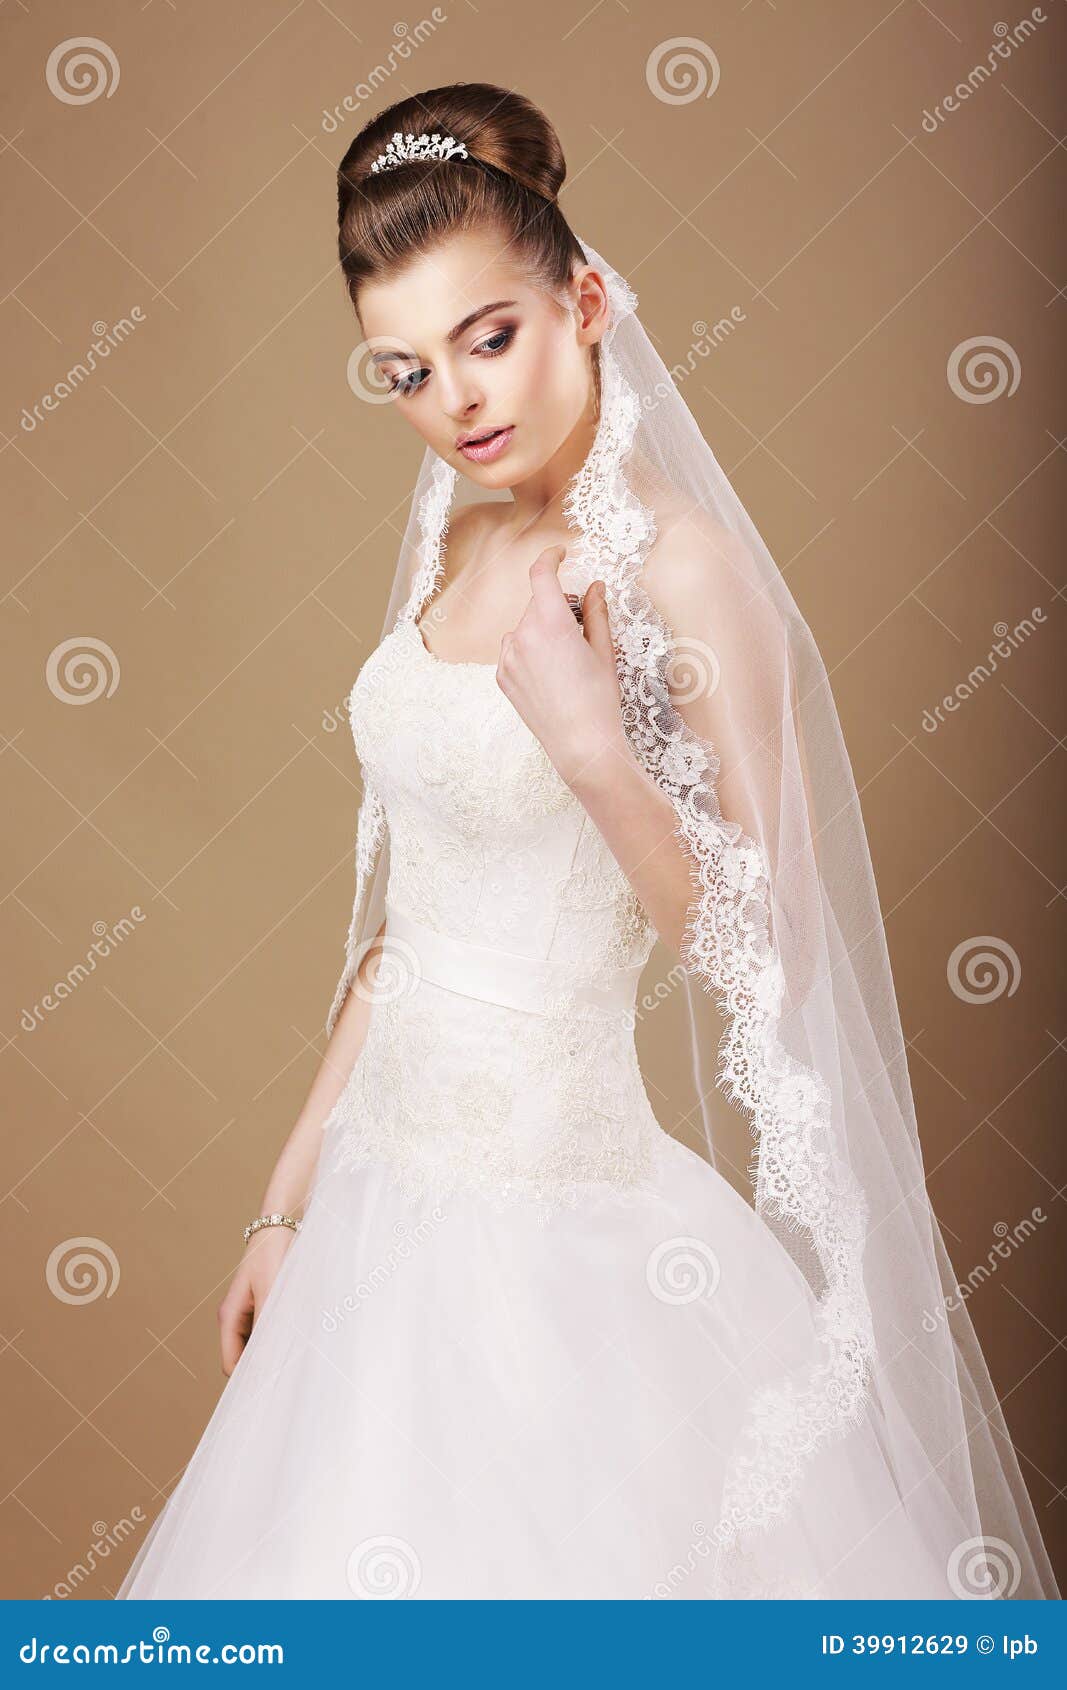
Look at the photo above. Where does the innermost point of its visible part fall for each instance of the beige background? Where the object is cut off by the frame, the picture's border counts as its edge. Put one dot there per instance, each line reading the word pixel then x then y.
pixel 216 507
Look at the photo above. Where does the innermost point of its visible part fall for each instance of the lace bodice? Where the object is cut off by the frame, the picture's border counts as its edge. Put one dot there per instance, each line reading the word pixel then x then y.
pixel 500 1049
pixel 487 842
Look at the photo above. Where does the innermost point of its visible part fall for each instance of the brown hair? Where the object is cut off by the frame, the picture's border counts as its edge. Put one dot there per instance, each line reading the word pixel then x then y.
pixel 508 183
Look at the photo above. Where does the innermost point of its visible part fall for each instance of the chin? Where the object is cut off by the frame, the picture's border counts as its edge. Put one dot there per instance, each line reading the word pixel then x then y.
pixel 505 472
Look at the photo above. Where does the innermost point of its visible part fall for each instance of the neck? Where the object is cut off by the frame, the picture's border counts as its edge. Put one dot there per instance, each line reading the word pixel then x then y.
pixel 539 500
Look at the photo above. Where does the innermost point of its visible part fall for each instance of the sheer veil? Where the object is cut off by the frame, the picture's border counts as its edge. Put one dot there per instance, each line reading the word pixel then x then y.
pixel 792 1008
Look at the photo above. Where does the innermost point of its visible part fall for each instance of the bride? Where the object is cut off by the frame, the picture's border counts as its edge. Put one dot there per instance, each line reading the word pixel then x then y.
pixel 496 1332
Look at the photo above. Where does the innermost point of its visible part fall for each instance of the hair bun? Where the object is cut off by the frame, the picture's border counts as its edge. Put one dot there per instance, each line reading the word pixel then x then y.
pixel 508 185
pixel 510 132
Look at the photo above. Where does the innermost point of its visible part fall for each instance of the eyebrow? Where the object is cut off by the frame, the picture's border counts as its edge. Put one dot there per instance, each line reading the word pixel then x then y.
pixel 460 328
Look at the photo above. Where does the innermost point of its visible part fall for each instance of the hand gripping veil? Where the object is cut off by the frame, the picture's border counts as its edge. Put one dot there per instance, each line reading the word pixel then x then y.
pixel 791 999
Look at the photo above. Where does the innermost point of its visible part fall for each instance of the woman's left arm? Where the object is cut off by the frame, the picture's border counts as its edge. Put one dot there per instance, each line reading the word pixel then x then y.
pixel 562 680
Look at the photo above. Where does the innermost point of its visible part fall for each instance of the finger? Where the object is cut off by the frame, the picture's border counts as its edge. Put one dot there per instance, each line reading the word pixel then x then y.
pixel 595 624
pixel 547 562
pixel 231 1348
pixel 545 588
pixel 228 1350
pixel 235 1325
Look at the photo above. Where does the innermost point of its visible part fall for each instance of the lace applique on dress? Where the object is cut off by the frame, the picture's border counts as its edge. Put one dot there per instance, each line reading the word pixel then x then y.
pixel 489 847
pixel 554 1114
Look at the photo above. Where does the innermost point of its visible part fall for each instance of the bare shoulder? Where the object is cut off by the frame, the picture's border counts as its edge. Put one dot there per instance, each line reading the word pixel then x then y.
pixel 692 558
pixel 707 585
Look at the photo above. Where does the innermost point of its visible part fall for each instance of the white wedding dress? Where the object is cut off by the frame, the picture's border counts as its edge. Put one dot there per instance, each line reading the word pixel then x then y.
pixel 512 1348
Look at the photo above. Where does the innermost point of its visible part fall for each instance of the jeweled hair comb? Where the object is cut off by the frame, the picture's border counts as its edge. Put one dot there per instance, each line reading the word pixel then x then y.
pixel 404 147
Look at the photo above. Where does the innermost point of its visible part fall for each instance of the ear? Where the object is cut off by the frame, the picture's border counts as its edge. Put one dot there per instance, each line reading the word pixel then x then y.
pixel 591 304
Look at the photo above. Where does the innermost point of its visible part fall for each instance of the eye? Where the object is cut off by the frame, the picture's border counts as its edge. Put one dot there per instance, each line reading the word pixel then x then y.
pixel 496 344
pixel 409 382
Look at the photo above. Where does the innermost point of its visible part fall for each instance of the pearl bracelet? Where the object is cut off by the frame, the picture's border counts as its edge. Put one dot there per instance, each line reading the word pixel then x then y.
pixel 271 1220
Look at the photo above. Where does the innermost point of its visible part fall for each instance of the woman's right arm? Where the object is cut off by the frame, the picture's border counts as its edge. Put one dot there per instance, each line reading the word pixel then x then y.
pixel 290 1185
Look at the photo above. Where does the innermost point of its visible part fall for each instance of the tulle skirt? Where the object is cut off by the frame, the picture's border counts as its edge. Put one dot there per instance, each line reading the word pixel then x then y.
pixel 443 1399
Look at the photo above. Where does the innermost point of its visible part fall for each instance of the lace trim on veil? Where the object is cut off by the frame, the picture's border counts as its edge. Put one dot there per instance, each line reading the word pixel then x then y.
pixel 799 1178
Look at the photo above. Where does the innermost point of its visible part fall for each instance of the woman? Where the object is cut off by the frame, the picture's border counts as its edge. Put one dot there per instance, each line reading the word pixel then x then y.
pixel 523 1343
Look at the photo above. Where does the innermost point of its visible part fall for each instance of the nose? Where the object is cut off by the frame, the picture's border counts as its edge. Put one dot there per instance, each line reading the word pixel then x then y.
pixel 461 400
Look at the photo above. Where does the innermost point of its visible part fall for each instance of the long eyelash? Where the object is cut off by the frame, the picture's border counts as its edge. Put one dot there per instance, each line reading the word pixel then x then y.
pixel 402 384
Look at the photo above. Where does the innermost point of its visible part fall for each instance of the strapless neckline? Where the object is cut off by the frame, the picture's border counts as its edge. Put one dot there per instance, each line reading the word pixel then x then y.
pixel 442 662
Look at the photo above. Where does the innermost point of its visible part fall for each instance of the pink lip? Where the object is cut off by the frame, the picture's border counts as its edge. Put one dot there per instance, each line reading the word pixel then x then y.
pixel 483 451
